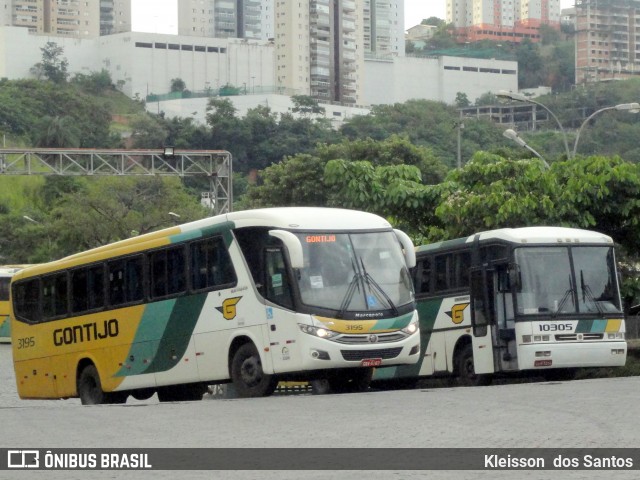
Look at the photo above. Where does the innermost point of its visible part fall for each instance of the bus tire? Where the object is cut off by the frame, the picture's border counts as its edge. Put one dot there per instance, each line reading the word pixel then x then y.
pixel 247 375
pixel 90 387
pixel 467 376
pixel 143 393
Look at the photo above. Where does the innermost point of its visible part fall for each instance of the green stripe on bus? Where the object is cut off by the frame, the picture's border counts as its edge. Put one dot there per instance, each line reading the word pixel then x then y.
pixel 427 311
pixel 5 329
pixel 584 326
pixel 393 323
pixel 177 333
pixel 224 227
pixel 145 343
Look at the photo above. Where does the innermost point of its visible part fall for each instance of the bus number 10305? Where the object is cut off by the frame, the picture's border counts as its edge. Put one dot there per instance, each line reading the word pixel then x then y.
pixel 555 327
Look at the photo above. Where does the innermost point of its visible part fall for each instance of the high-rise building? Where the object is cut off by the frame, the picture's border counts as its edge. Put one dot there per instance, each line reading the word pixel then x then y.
pixel 607 39
pixel 115 16
pixel 383 28
pixel 319 49
pixel 502 20
pixel 251 19
pixel 68 18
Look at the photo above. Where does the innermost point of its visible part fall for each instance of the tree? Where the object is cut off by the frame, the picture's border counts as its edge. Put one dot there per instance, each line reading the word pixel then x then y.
pixel 54 65
pixel 306 105
pixel 178 85
pixel 462 100
pixel 57 132
pixel 113 208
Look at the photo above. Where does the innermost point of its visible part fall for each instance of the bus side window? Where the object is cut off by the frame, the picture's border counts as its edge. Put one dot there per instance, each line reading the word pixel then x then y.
pixel 79 290
pixel 54 295
pixel 95 287
pixel 27 300
pixel 133 285
pixel 278 286
pixel 116 282
pixel 463 264
pixel 442 277
pixel 423 276
pixel 211 266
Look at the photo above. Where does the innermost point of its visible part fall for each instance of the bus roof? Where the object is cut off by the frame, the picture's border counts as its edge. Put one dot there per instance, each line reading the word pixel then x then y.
pixel 289 218
pixel 526 235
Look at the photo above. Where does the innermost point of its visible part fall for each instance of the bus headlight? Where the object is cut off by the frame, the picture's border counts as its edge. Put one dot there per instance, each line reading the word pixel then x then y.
pixel 318 331
pixel 411 328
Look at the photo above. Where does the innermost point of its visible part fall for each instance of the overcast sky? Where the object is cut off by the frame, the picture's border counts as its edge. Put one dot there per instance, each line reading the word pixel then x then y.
pixel 159 16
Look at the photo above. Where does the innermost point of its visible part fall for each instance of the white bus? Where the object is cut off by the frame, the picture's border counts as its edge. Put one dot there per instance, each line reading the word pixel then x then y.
pixel 250 297
pixel 538 299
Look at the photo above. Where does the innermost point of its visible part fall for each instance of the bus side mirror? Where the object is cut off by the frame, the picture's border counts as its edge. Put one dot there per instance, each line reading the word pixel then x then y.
pixel 293 246
pixel 408 247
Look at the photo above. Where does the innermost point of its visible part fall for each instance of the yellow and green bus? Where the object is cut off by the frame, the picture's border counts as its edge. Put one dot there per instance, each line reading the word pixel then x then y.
pixel 251 297
pixel 6 272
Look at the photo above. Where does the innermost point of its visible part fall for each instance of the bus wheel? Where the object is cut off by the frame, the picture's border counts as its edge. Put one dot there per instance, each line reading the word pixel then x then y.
pixel 90 388
pixel 143 393
pixel 467 376
pixel 247 375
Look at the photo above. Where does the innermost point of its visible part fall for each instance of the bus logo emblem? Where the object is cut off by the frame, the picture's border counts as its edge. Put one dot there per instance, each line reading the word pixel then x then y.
pixel 457 312
pixel 373 338
pixel 228 308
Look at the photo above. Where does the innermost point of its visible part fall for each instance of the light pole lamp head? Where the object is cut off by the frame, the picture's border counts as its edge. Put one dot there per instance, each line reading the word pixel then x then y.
pixel 513 135
pixel 511 96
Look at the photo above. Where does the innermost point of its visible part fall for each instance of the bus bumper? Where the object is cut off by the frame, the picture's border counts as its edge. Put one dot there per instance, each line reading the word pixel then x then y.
pixel 571 355
pixel 319 354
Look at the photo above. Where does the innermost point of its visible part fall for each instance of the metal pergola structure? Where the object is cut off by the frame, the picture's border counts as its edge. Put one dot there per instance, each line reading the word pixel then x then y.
pixel 213 164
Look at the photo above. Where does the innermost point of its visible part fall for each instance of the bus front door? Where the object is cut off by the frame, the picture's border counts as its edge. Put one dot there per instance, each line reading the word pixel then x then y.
pixel 482 318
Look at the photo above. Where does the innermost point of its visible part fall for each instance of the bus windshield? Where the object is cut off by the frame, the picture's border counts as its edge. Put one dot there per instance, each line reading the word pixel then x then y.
pixel 567 280
pixel 354 272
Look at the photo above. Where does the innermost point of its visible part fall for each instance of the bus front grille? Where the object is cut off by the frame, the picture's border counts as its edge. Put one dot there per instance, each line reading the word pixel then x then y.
pixel 572 337
pixel 380 338
pixel 383 353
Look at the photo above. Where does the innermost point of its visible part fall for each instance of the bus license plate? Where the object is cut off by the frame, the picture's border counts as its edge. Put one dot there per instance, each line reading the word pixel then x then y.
pixel 542 363
pixel 371 362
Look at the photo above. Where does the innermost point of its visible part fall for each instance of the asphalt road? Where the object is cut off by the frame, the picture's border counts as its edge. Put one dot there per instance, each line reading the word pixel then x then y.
pixel 582 414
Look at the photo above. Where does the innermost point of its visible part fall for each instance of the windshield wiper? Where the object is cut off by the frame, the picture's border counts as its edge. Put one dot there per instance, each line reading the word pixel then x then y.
pixel 351 289
pixel 588 294
pixel 568 293
pixel 372 283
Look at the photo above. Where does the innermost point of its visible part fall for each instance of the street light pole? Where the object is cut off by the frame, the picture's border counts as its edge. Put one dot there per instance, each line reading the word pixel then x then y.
pixel 521 98
pixel 513 135
pixel 629 107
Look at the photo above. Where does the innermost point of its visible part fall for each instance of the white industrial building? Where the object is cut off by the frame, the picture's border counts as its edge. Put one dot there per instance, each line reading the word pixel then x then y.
pixel 145 63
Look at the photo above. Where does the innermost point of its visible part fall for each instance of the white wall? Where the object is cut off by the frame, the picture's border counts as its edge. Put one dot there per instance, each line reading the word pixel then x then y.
pixel 196 107
pixel 438 79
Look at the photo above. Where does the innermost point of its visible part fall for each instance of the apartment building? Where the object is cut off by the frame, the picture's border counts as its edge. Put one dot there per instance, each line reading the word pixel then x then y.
pixel 68 18
pixel 502 20
pixel 607 40
pixel 319 49
pixel 250 19
pixel 383 28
